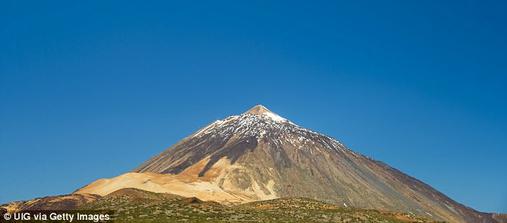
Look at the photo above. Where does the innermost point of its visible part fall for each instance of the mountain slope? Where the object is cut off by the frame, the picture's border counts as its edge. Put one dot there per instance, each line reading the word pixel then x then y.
pixel 259 155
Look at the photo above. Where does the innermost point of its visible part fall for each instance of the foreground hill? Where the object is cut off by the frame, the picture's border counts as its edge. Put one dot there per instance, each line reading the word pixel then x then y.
pixel 134 205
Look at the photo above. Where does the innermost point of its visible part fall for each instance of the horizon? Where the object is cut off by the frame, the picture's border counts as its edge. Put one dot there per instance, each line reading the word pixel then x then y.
pixel 92 90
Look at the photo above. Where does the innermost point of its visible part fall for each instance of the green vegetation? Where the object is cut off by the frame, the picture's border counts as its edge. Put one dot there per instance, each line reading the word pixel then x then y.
pixel 151 207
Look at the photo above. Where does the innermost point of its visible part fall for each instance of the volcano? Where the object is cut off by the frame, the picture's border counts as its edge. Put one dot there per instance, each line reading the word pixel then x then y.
pixel 259 155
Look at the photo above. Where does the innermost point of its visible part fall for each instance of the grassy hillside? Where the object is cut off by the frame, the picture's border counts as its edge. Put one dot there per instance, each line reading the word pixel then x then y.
pixel 133 205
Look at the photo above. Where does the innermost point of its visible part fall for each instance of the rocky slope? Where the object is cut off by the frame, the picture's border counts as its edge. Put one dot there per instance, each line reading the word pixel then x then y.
pixel 259 155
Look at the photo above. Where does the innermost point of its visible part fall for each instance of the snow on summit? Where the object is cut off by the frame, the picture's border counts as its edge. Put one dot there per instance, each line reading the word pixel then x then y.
pixel 261 110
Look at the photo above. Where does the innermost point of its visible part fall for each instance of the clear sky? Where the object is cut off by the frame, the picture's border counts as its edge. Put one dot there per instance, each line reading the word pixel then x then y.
pixel 92 90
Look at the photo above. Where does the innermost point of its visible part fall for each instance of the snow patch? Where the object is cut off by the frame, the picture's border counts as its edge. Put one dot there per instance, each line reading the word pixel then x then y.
pixel 274 117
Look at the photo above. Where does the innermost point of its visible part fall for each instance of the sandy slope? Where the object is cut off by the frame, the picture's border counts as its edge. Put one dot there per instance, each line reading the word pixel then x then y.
pixel 214 185
pixel 161 183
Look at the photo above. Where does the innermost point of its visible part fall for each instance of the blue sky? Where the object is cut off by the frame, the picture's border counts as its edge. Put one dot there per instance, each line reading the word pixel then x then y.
pixel 92 90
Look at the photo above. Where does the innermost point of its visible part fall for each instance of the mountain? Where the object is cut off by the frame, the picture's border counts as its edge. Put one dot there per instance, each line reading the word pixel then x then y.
pixel 260 155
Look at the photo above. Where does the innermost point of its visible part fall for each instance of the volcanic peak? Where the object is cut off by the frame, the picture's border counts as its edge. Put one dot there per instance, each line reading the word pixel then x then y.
pixel 261 110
